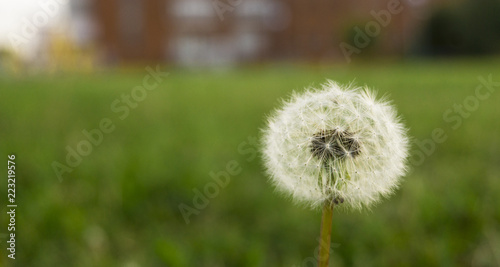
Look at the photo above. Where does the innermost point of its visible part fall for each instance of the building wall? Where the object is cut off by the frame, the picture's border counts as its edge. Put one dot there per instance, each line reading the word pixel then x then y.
pixel 193 32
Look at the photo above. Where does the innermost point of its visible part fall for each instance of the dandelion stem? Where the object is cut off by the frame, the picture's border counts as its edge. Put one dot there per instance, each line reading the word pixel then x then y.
pixel 326 233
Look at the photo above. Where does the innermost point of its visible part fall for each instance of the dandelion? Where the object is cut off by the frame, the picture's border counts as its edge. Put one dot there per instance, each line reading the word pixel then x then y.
pixel 335 146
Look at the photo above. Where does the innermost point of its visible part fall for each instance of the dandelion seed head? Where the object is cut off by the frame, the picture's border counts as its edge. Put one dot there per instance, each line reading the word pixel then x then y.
pixel 335 143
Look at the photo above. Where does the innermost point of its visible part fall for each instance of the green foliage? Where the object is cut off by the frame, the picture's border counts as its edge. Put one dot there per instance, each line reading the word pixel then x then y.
pixel 469 28
pixel 119 207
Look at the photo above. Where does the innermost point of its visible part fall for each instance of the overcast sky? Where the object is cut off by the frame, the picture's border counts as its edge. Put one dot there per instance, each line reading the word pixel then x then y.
pixel 12 13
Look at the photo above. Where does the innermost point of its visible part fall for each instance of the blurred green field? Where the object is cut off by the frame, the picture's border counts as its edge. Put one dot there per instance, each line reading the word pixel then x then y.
pixel 120 206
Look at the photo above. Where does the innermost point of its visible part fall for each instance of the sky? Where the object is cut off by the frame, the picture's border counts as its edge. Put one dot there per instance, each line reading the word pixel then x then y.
pixel 14 15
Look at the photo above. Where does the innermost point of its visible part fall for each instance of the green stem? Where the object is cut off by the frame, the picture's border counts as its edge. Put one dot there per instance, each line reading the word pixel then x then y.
pixel 325 235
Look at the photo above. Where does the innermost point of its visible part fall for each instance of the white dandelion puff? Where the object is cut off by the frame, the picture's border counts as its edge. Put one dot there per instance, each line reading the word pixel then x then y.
pixel 336 144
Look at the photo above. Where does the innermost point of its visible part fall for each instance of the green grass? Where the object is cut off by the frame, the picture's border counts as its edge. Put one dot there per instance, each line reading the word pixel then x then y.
pixel 120 206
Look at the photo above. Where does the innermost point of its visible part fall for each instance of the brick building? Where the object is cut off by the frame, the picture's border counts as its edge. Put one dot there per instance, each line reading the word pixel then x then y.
pixel 220 32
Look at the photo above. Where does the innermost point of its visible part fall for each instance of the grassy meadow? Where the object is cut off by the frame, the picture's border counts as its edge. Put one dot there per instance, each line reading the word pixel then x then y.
pixel 120 205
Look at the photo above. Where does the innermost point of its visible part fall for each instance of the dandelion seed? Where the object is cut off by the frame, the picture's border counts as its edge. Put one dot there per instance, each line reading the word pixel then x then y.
pixel 343 133
pixel 354 154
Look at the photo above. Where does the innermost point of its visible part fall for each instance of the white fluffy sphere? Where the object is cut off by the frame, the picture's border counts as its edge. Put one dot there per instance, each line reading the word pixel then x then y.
pixel 337 144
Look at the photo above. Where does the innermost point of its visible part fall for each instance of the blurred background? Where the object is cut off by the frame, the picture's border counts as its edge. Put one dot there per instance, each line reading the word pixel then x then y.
pixel 144 195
